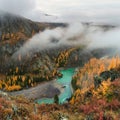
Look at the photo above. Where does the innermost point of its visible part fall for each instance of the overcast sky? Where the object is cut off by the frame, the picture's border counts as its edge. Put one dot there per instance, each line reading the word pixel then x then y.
pixel 103 11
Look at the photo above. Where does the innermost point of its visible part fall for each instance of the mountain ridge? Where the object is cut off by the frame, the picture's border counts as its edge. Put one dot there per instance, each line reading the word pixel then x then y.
pixel 17 27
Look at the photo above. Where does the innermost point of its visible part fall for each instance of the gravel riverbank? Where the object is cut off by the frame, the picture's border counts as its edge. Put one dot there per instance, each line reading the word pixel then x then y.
pixel 47 90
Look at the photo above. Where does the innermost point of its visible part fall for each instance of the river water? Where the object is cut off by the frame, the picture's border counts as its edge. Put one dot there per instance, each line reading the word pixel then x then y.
pixel 65 81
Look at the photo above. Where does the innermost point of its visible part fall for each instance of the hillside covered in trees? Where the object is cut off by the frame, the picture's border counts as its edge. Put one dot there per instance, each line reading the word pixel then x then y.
pixel 96 96
pixel 95 84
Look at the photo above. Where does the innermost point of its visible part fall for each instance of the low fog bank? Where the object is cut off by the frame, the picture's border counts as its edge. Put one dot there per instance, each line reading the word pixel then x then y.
pixel 77 34
pixel 52 38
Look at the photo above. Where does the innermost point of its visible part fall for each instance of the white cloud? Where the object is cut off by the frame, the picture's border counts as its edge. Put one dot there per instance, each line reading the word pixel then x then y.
pixel 107 11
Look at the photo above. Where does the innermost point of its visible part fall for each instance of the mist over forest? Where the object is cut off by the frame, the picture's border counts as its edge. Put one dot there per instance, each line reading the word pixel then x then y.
pixel 59 60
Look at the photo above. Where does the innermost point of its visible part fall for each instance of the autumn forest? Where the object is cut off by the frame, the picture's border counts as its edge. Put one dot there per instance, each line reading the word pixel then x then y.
pixel 49 71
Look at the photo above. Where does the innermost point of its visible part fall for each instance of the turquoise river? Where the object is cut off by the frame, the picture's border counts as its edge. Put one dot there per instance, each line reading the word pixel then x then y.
pixel 65 81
